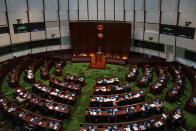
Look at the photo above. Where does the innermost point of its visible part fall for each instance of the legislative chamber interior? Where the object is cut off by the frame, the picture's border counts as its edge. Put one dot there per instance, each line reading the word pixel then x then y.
pixel 97 65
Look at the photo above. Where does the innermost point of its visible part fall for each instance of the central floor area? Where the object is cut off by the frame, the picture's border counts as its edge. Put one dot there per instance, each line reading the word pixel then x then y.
pixel 81 69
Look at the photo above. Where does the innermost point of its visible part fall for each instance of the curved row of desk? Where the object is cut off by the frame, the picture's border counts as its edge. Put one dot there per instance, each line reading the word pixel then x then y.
pixel 65 85
pixel 158 85
pixel 119 113
pixel 131 76
pixel 111 89
pixel 30 71
pixel 45 69
pixel 60 110
pixel 59 66
pixel 121 99
pixel 178 89
pixel 159 122
pixel 48 92
pixel 144 80
pixel 17 113
pixel 17 71
pixel 155 123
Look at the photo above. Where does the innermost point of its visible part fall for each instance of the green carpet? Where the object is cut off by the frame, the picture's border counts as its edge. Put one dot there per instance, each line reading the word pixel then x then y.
pixel 81 69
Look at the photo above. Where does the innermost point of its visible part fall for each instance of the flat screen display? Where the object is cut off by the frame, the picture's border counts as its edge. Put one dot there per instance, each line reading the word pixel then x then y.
pixel 4 29
pixel 186 32
pixel 168 29
pixel 39 26
pixel 21 28
pixel 29 27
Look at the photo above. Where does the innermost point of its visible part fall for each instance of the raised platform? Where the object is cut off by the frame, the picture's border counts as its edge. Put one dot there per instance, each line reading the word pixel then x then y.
pixel 88 59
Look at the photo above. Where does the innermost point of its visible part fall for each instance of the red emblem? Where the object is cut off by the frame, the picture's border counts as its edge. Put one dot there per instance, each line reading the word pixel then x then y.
pixel 100 35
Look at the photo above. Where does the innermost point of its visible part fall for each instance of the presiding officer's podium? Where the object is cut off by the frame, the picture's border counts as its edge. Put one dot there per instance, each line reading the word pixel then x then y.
pixel 98 61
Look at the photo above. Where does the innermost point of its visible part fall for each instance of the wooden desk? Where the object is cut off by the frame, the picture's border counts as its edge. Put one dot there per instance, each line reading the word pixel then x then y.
pixel 58 68
pixel 98 57
pixel 107 81
pixel 64 85
pixel 175 92
pixel 116 61
pixel 131 76
pixel 53 107
pixel 190 105
pixel 111 89
pixel 4 128
pixel 88 59
pixel 144 80
pixel 171 94
pixel 76 79
pixel 147 123
pixel 18 71
pixel 122 99
pixel 98 61
pixel 30 77
pixel 60 96
pixel 29 117
pixel 45 69
pixel 102 113
pixel 157 86
pixel 158 124
pixel 80 59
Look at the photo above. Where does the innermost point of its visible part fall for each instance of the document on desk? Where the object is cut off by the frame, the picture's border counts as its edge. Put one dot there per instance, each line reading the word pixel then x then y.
pixel 152 105
pixel 104 89
pixel 32 119
pixel 164 116
pixel 176 116
pixel 142 127
pixel 136 96
pixel 10 110
pixel 94 113
pixel 56 108
pixel 127 129
pixel 106 100
pixel 55 127
pixel 52 93
pixel 50 107
pixel 70 98
pixel 158 124
pixel 135 128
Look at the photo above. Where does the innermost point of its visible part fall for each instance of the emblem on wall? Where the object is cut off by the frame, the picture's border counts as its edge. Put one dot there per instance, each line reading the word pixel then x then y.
pixel 100 27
